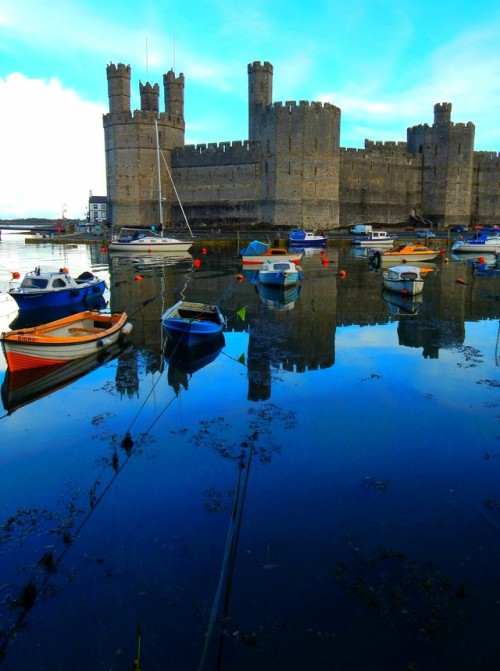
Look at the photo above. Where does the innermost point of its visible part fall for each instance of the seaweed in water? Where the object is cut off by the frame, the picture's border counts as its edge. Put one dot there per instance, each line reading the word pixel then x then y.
pixel 403 593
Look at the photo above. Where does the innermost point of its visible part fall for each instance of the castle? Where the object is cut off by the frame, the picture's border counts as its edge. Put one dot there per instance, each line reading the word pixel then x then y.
pixel 292 170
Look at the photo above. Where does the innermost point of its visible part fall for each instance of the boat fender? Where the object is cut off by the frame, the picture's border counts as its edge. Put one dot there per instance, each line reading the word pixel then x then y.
pixel 127 328
pixel 104 342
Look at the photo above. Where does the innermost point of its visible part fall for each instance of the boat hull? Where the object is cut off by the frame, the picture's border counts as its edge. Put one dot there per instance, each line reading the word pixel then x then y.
pixel 480 248
pixel 404 287
pixel 190 323
pixel 278 279
pixel 38 300
pixel 259 259
pixel 64 340
pixel 150 245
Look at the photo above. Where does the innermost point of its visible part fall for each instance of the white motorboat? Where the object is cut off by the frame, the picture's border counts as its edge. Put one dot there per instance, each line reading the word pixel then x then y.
pixel 279 273
pixel 405 279
pixel 374 239
pixel 481 243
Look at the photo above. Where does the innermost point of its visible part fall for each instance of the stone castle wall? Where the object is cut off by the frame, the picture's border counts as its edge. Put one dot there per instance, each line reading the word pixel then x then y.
pixel 292 170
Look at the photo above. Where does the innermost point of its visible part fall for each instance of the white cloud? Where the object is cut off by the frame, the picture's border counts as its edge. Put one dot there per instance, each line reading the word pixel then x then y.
pixel 52 149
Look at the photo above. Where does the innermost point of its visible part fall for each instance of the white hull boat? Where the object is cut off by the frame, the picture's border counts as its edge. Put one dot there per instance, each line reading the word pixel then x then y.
pixel 405 280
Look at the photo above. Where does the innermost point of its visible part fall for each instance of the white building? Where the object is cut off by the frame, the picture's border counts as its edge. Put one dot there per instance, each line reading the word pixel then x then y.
pixel 98 209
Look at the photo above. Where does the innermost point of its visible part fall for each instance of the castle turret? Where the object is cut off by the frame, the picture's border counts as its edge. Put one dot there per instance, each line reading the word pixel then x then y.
pixel 118 87
pixel 442 113
pixel 260 93
pixel 174 94
pixel 150 97
pixel 447 150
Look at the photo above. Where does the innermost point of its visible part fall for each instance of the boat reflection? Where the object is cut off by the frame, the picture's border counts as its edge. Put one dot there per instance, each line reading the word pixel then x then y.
pixel 184 361
pixel 402 306
pixel 145 258
pixel 28 318
pixel 278 298
pixel 22 387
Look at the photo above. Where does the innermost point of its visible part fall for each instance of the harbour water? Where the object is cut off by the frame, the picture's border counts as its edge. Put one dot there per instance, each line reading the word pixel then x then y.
pixel 320 492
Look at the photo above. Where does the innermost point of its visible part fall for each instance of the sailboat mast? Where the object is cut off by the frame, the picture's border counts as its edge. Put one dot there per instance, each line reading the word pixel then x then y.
pixel 160 204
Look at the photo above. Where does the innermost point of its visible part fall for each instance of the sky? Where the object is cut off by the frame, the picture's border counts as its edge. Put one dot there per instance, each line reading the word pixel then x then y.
pixel 385 63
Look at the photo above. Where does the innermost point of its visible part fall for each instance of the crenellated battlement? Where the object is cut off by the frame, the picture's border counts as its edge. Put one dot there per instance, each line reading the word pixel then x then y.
pixel 120 70
pixel 388 150
pixel 292 168
pixel 257 66
pixel 218 153
pixel 141 117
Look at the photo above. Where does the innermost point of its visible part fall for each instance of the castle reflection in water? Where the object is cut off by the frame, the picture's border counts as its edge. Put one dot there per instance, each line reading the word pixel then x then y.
pixel 296 331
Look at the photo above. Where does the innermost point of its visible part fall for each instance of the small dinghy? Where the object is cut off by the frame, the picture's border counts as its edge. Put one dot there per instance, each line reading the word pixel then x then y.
pixel 192 323
pixel 63 340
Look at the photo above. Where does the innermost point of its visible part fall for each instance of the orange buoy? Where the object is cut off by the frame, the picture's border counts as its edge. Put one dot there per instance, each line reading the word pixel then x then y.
pixel 442 251
pixel 239 277
pixel 65 270
pixel 325 261
pixel 15 275
pixel 103 249
pixel 481 260
pixel 138 278
pixel 323 251
pixel 197 263
pixel 459 280
pixel 203 250
pixel 342 273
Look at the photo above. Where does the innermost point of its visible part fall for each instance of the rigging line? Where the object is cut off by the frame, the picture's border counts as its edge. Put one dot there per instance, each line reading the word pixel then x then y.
pixel 225 560
pixel 234 548
pixel 176 194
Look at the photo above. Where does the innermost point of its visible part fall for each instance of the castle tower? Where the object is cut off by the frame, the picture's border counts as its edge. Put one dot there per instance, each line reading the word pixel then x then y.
pixel 447 167
pixel 260 94
pixel 442 114
pixel 174 94
pixel 118 88
pixel 131 153
pixel 150 97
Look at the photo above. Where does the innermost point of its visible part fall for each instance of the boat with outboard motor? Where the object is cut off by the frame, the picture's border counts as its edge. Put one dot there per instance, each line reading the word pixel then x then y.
pixel 299 238
pixel 405 253
pixel 49 288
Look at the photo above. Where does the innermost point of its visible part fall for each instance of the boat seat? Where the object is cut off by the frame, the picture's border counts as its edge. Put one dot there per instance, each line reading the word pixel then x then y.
pixel 85 276
pixel 78 329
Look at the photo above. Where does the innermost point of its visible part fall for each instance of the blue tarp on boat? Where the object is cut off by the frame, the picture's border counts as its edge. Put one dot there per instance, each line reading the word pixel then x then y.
pixel 255 248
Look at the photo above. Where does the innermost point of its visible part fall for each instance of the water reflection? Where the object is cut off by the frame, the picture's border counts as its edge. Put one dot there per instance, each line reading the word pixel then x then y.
pixel 234 506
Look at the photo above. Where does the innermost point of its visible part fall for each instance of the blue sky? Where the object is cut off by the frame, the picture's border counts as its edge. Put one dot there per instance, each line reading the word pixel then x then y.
pixel 385 63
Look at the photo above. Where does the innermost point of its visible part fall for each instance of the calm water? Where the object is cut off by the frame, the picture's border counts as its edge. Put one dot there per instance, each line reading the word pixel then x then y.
pixel 322 495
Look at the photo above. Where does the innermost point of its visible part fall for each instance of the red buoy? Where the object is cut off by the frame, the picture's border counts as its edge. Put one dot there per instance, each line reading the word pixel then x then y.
pixel 15 275
pixel 239 277
pixel 197 263
pixel 342 274
pixel 203 250
pixel 138 278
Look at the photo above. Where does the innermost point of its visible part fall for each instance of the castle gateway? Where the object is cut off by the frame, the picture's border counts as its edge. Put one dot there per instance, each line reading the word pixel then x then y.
pixel 292 171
